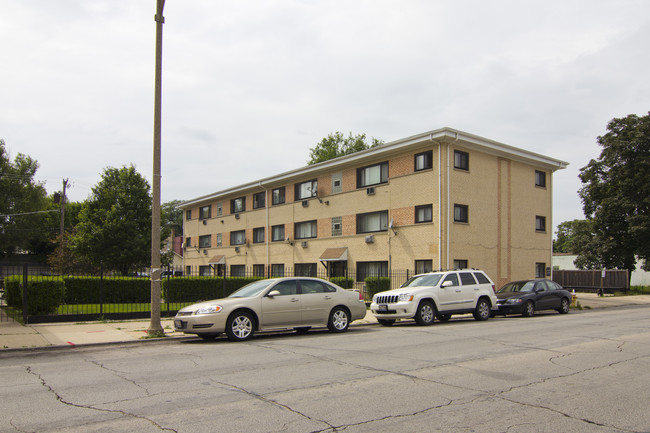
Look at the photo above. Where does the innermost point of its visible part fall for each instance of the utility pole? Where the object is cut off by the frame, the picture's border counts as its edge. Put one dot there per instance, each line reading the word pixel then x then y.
pixel 155 327
pixel 65 185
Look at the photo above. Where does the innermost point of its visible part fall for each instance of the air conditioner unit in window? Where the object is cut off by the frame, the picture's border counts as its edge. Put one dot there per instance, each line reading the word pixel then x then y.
pixel 305 203
pixel 370 190
pixel 370 239
pixel 236 249
pixel 237 216
pixel 303 244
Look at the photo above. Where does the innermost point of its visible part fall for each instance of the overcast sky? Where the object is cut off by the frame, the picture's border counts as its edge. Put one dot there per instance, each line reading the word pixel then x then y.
pixel 250 86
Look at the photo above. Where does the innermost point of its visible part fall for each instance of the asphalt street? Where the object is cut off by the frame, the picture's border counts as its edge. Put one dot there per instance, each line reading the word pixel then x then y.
pixel 586 371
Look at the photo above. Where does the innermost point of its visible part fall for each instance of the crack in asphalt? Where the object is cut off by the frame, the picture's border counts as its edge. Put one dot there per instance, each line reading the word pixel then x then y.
pixel 119 374
pixel 83 406
pixel 499 395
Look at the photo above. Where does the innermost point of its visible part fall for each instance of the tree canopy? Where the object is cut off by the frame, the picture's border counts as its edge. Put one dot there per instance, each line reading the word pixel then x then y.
pixel 22 200
pixel 336 144
pixel 115 222
pixel 616 196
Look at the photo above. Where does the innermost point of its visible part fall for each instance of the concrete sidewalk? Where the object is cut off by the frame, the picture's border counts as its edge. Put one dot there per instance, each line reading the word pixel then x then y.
pixel 14 336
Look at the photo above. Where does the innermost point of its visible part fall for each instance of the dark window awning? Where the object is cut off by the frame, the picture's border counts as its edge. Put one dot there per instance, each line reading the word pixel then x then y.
pixel 335 255
pixel 217 260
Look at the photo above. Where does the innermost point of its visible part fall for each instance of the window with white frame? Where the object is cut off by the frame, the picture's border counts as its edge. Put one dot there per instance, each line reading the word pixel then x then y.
pixel 277 233
pixel 238 237
pixel 424 213
pixel 219 239
pixel 305 230
pixel 305 190
pixel 372 175
pixel 372 222
pixel 219 209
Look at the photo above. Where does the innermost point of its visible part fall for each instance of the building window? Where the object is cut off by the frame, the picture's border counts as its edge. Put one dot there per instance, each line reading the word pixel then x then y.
pixel 461 213
pixel 423 266
pixel 540 270
pixel 277 196
pixel 423 161
pixel 371 269
pixel 205 271
pixel 188 242
pixel 188 214
pixel 277 270
pixel 219 239
pixel 277 233
pixel 372 222
pixel 460 264
pixel 258 270
pixel 372 175
pixel 461 160
pixel 305 230
pixel 337 183
pixel 540 179
pixel 219 209
pixel 259 200
pixel 238 205
pixel 258 235
pixel 540 223
pixel 205 212
pixel 238 237
pixel 306 190
pixel 424 214
pixel 337 226
pixel 305 270
pixel 237 270
pixel 205 241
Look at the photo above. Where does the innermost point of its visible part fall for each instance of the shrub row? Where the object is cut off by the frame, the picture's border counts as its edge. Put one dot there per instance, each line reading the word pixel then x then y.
pixel 44 294
pixel 375 285
pixel 194 289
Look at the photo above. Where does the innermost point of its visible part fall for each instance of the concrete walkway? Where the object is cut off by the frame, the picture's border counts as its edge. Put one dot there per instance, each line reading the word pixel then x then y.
pixel 14 336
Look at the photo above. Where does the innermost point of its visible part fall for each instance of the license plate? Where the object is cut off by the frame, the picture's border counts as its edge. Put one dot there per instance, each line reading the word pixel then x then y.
pixel 383 308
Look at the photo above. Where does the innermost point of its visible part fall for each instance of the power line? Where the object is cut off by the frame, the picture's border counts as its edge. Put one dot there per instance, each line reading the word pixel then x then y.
pixel 29 213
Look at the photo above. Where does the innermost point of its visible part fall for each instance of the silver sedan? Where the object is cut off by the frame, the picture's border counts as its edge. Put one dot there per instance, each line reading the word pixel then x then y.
pixel 277 303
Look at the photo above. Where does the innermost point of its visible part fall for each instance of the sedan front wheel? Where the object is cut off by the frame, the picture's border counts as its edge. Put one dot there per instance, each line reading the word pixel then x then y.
pixel 240 326
pixel 529 309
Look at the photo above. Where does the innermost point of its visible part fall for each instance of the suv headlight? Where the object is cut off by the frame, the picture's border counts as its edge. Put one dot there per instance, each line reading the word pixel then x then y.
pixel 209 309
pixel 405 297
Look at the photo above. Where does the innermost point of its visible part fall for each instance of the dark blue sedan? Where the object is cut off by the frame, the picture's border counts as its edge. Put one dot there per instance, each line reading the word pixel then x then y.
pixel 527 296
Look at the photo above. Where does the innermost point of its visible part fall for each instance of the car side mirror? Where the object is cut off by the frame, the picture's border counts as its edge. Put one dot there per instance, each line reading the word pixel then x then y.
pixel 447 284
pixel 273 293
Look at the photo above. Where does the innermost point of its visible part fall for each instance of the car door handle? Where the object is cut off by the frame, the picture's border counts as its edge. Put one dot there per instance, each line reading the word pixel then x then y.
pixel 294 299
pixel 458 291
pixel 328 297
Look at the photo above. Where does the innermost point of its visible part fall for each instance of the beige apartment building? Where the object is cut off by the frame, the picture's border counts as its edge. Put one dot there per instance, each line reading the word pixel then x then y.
pixel 438 200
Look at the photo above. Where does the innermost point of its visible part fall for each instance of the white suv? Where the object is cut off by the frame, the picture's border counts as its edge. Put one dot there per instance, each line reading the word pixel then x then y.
pixel 437 294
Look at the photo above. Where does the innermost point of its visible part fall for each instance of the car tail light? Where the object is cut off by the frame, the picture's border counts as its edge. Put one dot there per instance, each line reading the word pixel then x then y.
pixel 361 296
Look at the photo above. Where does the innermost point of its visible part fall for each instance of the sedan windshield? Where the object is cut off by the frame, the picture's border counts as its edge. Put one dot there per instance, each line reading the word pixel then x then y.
pixel 518 286
pixel 423 280
pixel 252 289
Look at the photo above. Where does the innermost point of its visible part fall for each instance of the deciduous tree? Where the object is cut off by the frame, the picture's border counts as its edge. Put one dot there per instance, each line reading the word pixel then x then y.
pixel 336 144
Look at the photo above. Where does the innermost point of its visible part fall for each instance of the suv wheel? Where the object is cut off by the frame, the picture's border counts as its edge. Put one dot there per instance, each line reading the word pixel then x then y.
pixel 425 314
pixel 482 311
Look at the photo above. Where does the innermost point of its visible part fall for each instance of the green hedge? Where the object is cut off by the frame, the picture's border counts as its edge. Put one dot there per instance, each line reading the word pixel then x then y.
pixel 87 290
pixel 346 283
pixel 375 285
pixel 44 294
pixel 194 289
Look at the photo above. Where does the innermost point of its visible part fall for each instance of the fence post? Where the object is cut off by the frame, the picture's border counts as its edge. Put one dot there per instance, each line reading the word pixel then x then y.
pixel 101 288
pixel 25 301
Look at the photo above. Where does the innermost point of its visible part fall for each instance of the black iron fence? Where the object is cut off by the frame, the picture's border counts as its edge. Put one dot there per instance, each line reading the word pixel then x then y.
pixel 34 295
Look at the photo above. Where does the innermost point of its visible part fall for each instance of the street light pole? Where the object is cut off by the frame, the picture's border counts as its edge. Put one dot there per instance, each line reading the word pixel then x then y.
pixel 155 327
